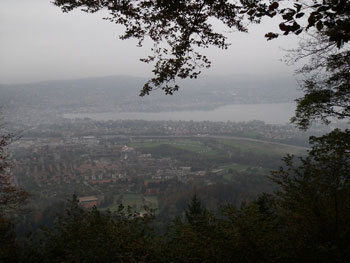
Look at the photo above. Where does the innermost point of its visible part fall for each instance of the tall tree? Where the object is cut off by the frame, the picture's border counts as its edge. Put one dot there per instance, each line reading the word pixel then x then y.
pixel 10 198
pixel 195 212
pixel 10 195
pixel 195 238
pixel 314 199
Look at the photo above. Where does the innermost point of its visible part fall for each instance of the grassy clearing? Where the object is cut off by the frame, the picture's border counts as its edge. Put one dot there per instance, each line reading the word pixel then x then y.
pixel 151 201
pixel 243 168
pixel 263 147
pixel 135 201
pixel 236 167
pixel 113 208
pixel 194 146
pixel 199 147
pixel 188 145
pixel 146 144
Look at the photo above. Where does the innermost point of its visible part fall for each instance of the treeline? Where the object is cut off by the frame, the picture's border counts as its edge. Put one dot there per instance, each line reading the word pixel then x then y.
pixel 172 201
pixel 243 188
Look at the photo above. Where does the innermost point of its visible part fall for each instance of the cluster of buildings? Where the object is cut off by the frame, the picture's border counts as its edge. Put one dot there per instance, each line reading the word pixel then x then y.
pixel 98 163
pixel 101 154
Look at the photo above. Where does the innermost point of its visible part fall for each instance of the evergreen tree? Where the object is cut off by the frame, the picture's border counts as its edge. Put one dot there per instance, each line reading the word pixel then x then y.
pixel 195 212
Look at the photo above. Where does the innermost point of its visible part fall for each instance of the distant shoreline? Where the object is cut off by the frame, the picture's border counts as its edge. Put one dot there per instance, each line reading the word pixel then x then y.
pixel 271 113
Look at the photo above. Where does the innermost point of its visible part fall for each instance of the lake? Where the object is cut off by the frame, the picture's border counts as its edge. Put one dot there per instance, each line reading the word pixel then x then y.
pixel 274 113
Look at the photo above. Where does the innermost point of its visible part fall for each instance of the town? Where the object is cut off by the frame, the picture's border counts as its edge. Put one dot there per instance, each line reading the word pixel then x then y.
pixel 145 158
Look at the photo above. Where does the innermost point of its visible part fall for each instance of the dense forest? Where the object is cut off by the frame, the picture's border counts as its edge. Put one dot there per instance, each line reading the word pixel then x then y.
pixel 305 219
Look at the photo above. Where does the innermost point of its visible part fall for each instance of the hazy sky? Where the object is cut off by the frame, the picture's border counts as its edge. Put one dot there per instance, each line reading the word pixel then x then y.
pixel 39 42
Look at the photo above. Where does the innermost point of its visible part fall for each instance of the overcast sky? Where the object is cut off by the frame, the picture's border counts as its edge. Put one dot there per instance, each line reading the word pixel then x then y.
pixel 38 42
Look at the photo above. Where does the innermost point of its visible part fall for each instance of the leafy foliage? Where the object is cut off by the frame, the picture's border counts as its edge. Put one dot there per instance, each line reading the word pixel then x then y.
pixel 179 28
pixel 326 94
pixel 314 198
pixel 331 17
pixel 181 25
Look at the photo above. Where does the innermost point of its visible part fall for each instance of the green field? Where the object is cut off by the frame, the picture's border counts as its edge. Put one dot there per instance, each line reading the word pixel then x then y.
pixel 147 144
pixel 194 146
pixel 200 147
pixel 243 168
pixel 234 155
pixel 268 148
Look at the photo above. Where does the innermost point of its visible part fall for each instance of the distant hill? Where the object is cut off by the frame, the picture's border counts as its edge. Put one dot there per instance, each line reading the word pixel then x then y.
pixel 120 93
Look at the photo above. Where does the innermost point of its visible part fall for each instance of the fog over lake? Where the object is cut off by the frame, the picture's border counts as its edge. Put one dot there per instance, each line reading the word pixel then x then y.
pixel 273 113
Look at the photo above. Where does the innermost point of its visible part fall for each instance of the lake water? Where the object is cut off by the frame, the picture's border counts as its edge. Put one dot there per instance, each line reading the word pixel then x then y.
pixel 276 113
